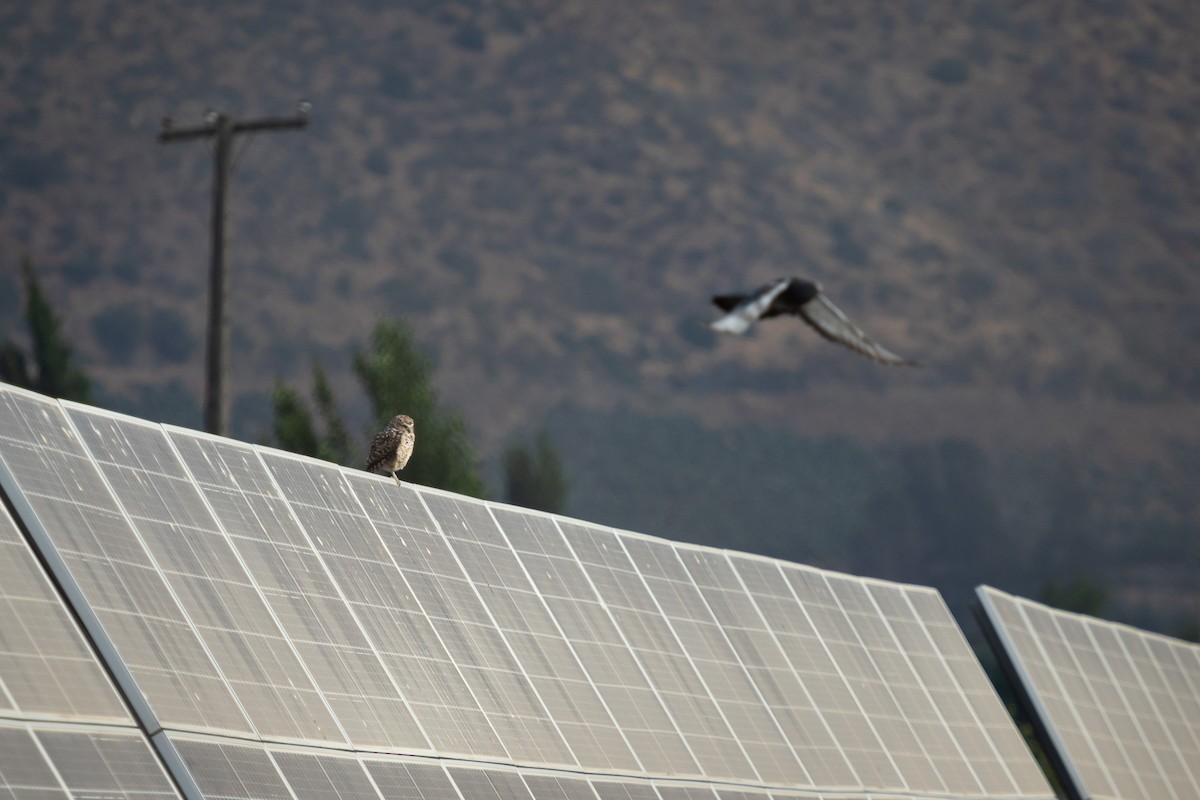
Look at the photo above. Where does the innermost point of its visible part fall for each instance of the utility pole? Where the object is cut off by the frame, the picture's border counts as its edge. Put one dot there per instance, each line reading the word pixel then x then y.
pixel 223 129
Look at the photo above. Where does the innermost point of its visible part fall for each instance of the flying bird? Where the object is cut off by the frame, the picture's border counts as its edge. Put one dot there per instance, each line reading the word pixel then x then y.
pixel 392 446
pixel 803 299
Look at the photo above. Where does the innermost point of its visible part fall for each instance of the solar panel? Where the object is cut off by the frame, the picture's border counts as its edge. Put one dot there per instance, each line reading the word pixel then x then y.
pixel 49 761
pixel 759 650
pixel 47 669
pixel 285 628
pixel 489 784
pixel 623 790
pixel 311 608
pixel 1120 707
pixel 106 572
pixel 183 541
pixel 325 775
pixel 806 653
pixel 620 587
pixel 542 651
pixel 381 596
pixel 480 650
pixel 601 648
pixel 685 792
pixel 401 780
pixel 718 666
pixel 555 787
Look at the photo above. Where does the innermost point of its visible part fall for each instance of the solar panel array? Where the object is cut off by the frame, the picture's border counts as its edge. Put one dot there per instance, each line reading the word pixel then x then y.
pixel 64 729
pixel 283 627
pixel 1120 706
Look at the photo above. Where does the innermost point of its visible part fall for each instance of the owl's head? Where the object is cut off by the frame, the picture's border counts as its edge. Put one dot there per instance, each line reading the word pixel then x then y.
pixel 401 422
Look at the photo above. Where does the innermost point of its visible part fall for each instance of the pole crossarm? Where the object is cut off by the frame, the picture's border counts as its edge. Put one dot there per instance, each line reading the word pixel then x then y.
pixel 223 129
pixel 210 129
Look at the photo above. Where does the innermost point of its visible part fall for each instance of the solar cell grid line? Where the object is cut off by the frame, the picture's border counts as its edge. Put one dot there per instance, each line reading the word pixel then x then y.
pixel 385 604
pixel 556 787
pixel 950 771
pixel 1036 675
pixel 852 660
pixel 317 616
pixel 1176 703
pixel 814 666
pixel 507 595
pixel 488 784
pixel 974 684
pixel 1131 680
pixel 1155 738
pixel 215 769
pixel 757 648
pixel 93 551
pixel 25 771
pixel 741 794
pixel 685 792
pixel 565 685
pixel 401 780
pixel 1111 701
pixel 1093 724
pixel 201 568
pixel 986 769
pixel 47 668
pixel 98 762
pixel 449 598
pixel 528 522
pixel 616 579
pixel 623 790
pixel 718 666
pixel 598 642
pixel 324 775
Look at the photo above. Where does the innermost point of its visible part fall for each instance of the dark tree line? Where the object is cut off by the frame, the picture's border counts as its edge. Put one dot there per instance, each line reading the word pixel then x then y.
pixel 397 379
pixel 392 372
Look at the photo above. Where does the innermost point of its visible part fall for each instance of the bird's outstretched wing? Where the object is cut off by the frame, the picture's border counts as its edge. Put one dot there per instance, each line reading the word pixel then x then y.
pixel 747 312
pixel 829 321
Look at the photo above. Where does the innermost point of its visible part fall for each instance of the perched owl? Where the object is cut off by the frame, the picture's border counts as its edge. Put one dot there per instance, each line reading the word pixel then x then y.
pixel 392 446
pixel 803 299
